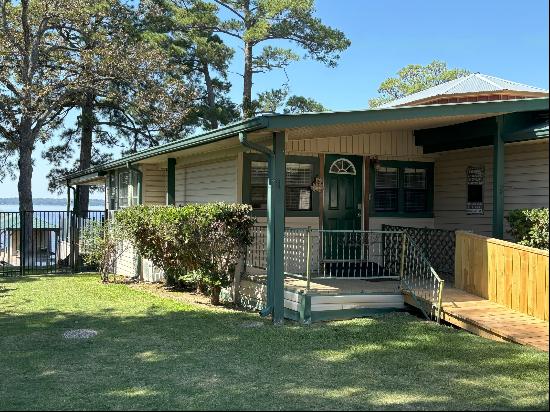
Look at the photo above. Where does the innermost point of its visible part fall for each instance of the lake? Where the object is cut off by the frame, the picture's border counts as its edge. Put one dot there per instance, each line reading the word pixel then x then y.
pixel 44 207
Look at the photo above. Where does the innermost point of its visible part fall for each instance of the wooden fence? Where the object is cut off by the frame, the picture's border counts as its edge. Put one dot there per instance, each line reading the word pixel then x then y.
pixel 506 273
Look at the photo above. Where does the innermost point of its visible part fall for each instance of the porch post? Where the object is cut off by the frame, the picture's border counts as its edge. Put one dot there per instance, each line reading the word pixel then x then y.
pixel 498 181
pixel 171 184
pixel 276 224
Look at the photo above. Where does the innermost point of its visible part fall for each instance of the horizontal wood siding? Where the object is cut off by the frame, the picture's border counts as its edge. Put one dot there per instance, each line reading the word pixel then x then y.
pixel 154 185
pixel 397 144
pixel 213 181
pixel 503 272
pixel 525 186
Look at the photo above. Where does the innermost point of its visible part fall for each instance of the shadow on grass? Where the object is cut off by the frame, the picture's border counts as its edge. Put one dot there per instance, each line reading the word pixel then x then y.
pixel 172 356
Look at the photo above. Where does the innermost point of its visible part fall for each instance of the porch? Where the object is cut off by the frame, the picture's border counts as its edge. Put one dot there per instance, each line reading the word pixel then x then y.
pixel 338 274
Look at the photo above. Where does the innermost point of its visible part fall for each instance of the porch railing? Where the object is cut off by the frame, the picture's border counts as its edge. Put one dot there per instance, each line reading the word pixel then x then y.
pixel 311 254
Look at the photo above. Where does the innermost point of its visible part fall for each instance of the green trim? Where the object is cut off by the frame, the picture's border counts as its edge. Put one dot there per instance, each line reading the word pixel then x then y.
pixel 171 183
pixel 305 308
pixel 231 130
pixel 281 122
pixel 406 113
pixel 248 158
pixel 401 165
pixel 276 225
pixel 498 181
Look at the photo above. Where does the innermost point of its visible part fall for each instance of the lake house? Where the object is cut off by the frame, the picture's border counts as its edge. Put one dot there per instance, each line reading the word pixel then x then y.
pixel 333 191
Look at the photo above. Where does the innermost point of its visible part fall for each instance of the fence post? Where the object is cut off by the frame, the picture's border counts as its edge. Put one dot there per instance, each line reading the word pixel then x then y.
pixel 403 249
pixel 22 252
pixel 308 257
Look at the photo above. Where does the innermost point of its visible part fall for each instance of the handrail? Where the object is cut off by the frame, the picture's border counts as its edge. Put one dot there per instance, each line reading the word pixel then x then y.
pixel 360 254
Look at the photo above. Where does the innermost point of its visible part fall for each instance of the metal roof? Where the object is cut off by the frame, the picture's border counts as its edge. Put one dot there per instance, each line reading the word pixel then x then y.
pixel 473 83
pixel 277 122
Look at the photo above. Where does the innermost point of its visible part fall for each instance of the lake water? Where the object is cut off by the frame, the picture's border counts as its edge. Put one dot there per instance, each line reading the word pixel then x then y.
pixel 41 207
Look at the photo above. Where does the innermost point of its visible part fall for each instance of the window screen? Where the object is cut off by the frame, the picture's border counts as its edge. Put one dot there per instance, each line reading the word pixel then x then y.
pixel 415 190
pixel 297 186
pixel 386 189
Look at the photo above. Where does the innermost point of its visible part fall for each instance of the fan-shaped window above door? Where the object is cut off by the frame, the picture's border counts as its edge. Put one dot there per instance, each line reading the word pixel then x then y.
pixel 342 167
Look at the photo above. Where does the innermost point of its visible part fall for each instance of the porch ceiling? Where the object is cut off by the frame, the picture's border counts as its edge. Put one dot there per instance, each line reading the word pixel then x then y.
pixel 347 129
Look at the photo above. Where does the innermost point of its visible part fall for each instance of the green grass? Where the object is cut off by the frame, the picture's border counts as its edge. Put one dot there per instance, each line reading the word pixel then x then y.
pixel 156 353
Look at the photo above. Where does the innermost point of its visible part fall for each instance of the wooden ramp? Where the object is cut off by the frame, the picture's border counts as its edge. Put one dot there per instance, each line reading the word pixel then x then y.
pixel 491 320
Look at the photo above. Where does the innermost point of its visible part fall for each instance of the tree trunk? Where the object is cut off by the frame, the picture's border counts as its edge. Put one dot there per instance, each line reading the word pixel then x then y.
pixel 24 187
pixel 248 110
pixel 88 119
pixel 215 295
pixel 210 97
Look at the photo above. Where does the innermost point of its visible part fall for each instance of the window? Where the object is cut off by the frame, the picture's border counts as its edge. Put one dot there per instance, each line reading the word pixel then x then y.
pixel 123 189
pixel 415 190
pixel 402 188
pixel 300 173
pixel 386 189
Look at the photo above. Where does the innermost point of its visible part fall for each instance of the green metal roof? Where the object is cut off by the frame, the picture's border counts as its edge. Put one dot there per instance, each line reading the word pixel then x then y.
pixel 287 121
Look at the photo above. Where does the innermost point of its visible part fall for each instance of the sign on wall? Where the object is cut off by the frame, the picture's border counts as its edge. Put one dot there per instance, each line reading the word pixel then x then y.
pixel 475 176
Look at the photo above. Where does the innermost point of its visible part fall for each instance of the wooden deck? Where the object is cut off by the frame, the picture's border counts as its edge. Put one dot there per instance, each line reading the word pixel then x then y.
pixel 491 320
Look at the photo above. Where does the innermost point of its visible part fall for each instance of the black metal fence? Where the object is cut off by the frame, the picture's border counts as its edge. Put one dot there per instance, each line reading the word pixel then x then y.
pixel 43 241
pixel 438 245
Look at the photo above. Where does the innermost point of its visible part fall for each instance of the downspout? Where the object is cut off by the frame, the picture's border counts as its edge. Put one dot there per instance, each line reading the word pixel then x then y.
pixel 243 139
pixel 139 274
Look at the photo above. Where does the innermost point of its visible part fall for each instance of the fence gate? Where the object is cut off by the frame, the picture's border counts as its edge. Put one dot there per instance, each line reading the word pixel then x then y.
pixel 43 241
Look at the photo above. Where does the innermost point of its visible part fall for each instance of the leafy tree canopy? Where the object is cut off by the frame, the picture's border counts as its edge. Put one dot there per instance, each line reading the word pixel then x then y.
pixel 414 78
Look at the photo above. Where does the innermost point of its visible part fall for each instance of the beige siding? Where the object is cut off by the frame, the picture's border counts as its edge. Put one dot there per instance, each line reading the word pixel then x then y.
pixel 126 263
pixel 212 181
pixel 154 185
pixel 525 186
pixel 397 144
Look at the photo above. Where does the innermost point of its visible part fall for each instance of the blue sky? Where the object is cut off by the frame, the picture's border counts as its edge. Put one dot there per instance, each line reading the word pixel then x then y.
pixel 504 38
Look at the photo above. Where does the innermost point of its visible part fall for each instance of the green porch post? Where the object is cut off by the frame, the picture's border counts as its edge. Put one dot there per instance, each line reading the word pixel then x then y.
pixel 171 184
pixel 276 225
pixel 498 181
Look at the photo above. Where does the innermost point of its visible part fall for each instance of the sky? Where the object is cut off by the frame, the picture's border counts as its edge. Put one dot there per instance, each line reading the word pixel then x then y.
pixel 503 38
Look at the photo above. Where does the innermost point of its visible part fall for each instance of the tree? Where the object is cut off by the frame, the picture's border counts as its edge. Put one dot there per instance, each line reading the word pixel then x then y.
pixel 257 22
pixel 35 81
pixel 414 78
pixel 185 30
pixel 132 96
pixel 272 100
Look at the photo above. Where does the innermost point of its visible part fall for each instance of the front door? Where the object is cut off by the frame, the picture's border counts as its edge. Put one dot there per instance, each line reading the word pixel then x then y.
pixel 343 195
pixel 343 199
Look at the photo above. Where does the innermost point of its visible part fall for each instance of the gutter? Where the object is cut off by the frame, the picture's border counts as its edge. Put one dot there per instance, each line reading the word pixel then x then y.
pixel 181 144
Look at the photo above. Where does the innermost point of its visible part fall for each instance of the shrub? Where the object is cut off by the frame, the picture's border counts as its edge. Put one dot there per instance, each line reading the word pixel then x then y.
pixel 529 227
pixel 98 245
pixel 199 241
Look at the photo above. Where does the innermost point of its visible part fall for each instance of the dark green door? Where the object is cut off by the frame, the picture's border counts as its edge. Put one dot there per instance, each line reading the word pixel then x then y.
pixel 343 201
pixel 343 195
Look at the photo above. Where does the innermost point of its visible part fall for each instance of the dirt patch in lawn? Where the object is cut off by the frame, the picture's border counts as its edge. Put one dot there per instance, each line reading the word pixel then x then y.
pixel 188 297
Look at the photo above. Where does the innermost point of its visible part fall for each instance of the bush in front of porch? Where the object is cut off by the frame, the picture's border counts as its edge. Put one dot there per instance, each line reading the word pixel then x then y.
pixel 201 242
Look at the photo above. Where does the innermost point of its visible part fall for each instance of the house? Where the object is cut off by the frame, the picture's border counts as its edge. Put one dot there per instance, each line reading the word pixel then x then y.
pixel 460 155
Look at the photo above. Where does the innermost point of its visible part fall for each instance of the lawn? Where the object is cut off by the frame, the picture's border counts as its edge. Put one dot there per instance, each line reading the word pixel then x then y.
pixel 157 353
